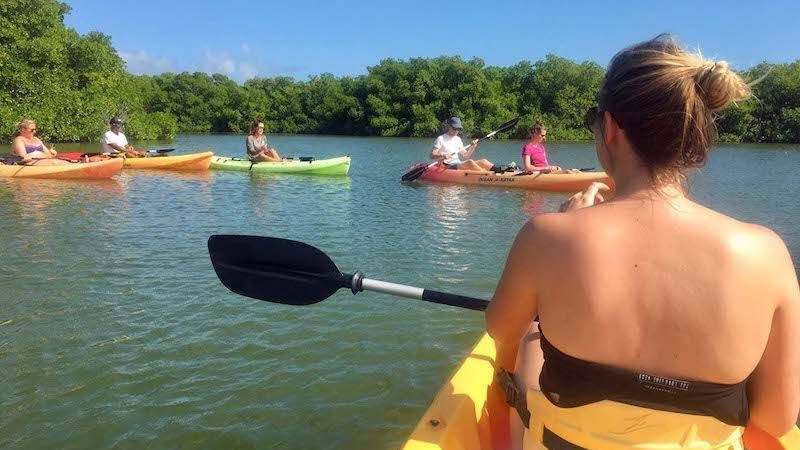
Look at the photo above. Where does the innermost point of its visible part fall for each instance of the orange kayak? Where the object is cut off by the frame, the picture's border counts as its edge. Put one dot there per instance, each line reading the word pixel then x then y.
pixel 72 171
pixel 561 182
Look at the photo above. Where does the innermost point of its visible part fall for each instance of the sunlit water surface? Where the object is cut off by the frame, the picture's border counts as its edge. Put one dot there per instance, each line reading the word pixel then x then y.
pixel 116 333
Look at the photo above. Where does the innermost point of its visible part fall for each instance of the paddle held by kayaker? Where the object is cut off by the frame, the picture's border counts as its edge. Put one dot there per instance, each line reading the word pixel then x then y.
pixel 450 151
pixel 652 308
pixel 256 144
pixel 115 142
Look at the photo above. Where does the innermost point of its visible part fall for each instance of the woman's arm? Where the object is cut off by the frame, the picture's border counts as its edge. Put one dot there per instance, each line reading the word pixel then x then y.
pixel 774 387
pixel 49 151
pixel 436 151
pixel 514 304
pixel 528 165
pixel 252 150
pixel 18 147
pixel 467 152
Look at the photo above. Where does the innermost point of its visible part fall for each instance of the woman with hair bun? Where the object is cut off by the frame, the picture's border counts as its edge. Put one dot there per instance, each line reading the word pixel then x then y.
pixel 649 320
pixel 534 155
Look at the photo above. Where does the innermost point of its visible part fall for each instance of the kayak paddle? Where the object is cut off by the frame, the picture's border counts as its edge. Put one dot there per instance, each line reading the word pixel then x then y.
pixel 418 170
pixel 295 273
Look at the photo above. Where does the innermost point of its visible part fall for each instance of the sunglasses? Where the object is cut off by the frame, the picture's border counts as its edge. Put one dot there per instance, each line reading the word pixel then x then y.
pixel 32 130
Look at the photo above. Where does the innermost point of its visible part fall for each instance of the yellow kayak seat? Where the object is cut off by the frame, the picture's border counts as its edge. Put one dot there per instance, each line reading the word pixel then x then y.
pixel 608 425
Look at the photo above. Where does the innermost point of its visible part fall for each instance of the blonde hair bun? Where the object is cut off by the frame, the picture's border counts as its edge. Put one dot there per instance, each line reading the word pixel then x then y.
pixel 719 85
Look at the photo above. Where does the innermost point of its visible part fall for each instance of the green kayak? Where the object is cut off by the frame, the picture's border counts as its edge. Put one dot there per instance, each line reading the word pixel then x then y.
pixel 331 166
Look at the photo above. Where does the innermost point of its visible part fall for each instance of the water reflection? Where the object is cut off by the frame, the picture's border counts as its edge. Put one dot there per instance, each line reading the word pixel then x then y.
pixel 534 203
pixel 448 232
pixel 30 196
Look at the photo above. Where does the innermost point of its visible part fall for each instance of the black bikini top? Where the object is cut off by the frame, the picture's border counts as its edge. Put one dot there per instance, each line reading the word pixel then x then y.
pixel 569 382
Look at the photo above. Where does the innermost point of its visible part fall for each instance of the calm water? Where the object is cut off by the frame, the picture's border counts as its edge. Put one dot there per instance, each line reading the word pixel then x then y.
pixel 116 333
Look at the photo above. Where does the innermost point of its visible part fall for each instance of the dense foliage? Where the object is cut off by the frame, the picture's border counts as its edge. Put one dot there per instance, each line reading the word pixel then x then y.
pixel 72 85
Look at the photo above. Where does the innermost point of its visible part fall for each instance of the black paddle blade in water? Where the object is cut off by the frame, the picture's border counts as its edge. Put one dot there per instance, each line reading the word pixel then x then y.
pixel 275 270
pixel 415 171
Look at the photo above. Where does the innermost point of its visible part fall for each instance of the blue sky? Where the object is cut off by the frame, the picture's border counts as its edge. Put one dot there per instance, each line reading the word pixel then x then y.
pixel 243 39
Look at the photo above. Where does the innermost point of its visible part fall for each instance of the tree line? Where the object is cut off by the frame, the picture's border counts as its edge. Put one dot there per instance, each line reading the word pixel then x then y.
pixel 71 84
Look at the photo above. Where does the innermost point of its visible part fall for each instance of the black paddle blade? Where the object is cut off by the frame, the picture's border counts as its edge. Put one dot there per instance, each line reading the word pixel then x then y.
pixel 415 172
pixel 508 125
pixel 275 270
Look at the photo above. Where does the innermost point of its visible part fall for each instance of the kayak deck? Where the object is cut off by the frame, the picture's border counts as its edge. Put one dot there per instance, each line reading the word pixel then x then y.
pixel 193 161
pixel 330 166
pixel 559 182
pixel 70 171
pixel 460 415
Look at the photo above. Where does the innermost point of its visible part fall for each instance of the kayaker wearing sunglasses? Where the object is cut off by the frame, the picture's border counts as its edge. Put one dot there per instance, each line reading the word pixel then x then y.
pixel 449 149
pixel 30 148
pixel 663 324
pixel 534 155
pixel 256 145
pixel 115 142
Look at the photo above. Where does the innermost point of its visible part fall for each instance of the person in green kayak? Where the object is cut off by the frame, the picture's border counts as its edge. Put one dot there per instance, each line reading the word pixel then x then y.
pixel 450 151
pixel 534 155
pixel 652 309
pixel 256 144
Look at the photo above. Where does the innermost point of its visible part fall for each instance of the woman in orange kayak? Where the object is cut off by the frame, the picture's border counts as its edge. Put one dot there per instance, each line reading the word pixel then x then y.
pixel 449 149
pixel 652 309
pixel 30 148
pixel 534 155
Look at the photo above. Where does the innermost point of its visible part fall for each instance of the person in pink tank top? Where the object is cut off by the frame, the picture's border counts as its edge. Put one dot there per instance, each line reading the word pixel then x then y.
pixel 534 155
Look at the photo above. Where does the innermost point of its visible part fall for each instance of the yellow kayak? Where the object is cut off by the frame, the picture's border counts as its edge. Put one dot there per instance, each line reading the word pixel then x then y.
pixel 194 161
pixel 461 413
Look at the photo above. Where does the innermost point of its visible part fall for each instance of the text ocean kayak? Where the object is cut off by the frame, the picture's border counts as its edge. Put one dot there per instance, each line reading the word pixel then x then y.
pixel 71 171
pixel 194 161
pixel 562 182
pixel 331 166
pixel 460 416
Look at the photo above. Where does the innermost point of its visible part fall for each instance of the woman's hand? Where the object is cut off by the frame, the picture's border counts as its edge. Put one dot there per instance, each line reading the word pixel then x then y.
pixel 585 199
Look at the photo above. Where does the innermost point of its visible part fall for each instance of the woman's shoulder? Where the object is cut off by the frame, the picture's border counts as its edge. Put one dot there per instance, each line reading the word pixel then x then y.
pixel 547 228
pixel 737 232
pixel 530 146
